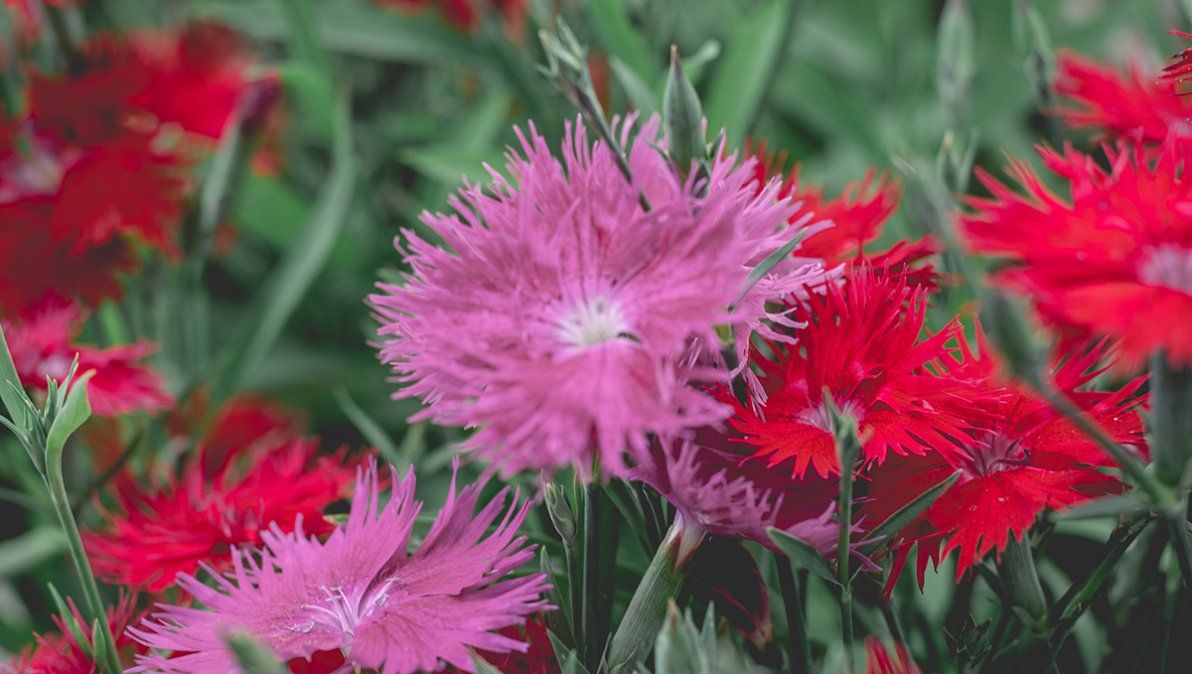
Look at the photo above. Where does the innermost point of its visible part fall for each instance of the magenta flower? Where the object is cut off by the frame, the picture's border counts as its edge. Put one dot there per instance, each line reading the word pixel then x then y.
pixel 724 494
pixel 566 322
pixel 362 592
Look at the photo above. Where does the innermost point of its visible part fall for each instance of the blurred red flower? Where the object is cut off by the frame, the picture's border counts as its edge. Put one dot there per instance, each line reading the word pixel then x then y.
pixel 59 653
pixel 1114 258
pixel 1119 104
pixel 465 15
pixel 859 215
pixel 42 345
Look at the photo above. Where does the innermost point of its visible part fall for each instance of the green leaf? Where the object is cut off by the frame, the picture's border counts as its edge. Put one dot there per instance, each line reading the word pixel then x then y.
pixel 753 54
pixel 287 286
pixel 29 550
pixel 11 391
pixel 76 410
pixel 766 265
pixel 683 117
pixel 483 666
pixel 883 534
pixel 1124 505
pixel 803 554
pixel 369 428
pixel 615 32
pixel 252 657
pixel 357 29
pixel 636 90
pixel 568 659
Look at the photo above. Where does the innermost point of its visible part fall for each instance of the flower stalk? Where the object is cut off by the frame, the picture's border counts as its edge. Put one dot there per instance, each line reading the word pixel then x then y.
pixel 647 609
pixel 1022 583
pixel 44 434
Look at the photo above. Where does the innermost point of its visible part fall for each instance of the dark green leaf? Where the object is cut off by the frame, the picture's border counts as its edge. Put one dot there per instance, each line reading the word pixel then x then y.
pixel 803 555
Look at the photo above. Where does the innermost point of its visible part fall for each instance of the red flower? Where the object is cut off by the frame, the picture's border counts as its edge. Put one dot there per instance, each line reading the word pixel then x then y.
pixel 1020 458
pixel 465 15
pixel 858 215
pixel 539 657
pixel 861 346
pixel 1118 104
pixel 1115 259
pixel 58 653
pixel 199 516
pixel 1179 70
pixel 879 660
pixel 42 346
pixel 197 77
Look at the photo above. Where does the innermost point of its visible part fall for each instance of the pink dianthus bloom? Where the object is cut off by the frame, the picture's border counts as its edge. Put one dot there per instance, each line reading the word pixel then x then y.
pixel 362 592
pixel 566 321
pixel 721 492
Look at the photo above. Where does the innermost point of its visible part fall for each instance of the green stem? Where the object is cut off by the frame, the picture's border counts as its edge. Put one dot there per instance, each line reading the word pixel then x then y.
pixel 1171 420
pixel 1022 581
pixel 647 609
pixel 1181 544
pixel 74 542
pixel 1158 494
pixel 843 553
pixel 798 647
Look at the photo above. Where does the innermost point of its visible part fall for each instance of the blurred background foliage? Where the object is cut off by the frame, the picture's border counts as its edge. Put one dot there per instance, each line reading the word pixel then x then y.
pixel 839 86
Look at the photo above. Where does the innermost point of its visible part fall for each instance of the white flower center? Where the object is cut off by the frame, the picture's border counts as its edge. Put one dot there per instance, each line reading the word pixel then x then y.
pixel 1168 266
pixel 819 416
pixel 595 321
pixel 342 612
pixel 39 172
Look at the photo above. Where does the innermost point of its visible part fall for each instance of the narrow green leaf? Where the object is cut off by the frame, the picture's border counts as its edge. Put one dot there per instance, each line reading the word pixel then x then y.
pixel 883 534
pixel 753 54
pixel 803 555
pixel 11 391
pixel 569 661
pixel 1124 505
pixel 29 550
pixel 636 90
pixel 767 265
pixel 69 617
pixel 273 307
pixel 615 32
pixel 483 666
pixel 370 429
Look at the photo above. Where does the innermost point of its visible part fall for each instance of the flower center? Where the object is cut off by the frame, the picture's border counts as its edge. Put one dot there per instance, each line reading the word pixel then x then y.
pixel 993 454
pixel 819 416
pixel 1168 266
pixel 341 611
pixel 596 321
pixel 38 171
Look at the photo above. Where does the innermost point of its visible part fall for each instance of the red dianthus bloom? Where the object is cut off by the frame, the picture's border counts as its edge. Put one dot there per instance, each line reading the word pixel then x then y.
pixel 59 653
pixel 861 346
pixel 42 345
pixel 1020 458
pixel 216 504
pixel 1120 104
pixel 1112 259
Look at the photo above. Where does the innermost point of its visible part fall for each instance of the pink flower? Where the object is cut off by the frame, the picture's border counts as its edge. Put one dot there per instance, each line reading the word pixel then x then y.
pixel 362 592
pixel 722 493
pixel 42 345
pixel 565 321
